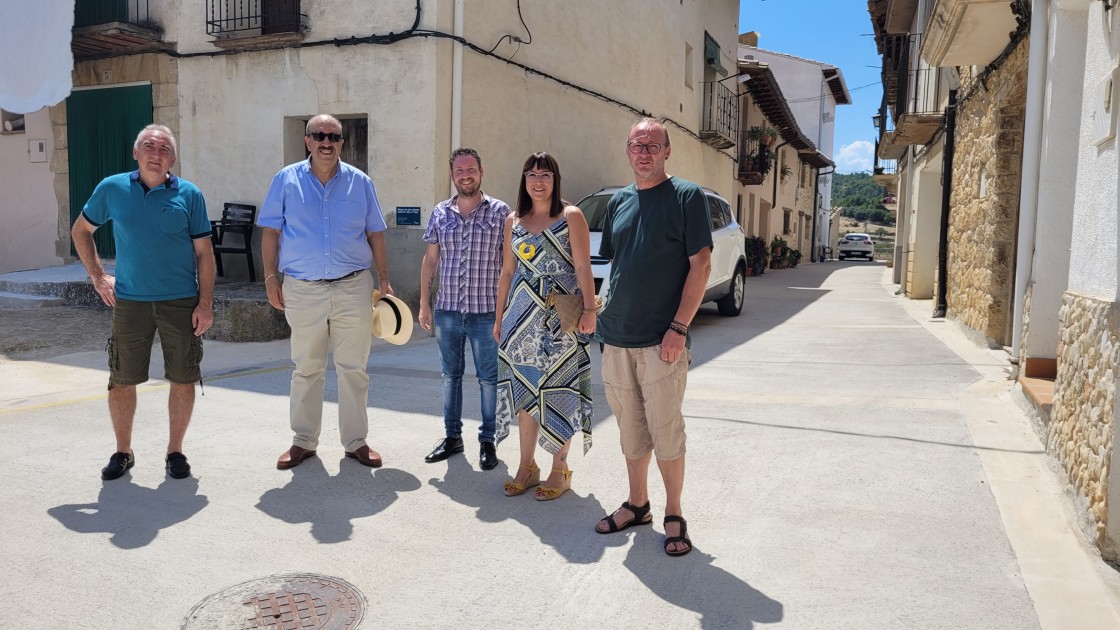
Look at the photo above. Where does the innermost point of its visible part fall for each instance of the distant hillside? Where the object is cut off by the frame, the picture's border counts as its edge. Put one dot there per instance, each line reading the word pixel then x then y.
pixel 860 197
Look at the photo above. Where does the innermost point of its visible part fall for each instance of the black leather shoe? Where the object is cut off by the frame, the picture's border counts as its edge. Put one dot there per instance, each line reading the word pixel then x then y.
pixel 177 465
pixel 488 456
pixel 119 464
pixel 446 448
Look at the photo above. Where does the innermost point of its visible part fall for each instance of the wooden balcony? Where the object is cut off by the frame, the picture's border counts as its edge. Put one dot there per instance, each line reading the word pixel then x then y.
pixel 105 29
pixel 967 32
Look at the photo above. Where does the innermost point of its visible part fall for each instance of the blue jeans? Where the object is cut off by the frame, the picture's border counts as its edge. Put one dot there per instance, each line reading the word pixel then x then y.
pixel 453 329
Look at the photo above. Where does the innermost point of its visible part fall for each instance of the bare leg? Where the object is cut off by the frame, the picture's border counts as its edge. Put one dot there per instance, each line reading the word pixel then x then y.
pixel 672 472
pixel 122 409
pixel 180 404
pixel 527 431
pixel 637 471
pixel 559 462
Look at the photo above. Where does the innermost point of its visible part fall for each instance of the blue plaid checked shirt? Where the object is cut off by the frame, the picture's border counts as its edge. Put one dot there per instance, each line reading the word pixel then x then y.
pixel 470 254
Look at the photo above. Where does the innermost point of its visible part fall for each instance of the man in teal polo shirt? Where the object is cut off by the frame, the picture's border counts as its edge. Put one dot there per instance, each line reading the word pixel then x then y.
pixel 164 281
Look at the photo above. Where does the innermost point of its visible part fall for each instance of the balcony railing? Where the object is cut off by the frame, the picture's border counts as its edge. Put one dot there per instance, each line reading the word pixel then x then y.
pixel 104 28
pixel 254 17
pixel 755 160
pixel 721 115
pixel 885 175
pixel 97 12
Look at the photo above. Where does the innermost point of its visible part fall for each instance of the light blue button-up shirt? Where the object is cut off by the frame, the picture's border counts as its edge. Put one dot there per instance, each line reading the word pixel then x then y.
pixel 322 228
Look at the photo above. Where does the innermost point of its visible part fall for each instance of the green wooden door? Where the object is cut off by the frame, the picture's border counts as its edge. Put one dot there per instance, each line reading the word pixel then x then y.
pixel 101 126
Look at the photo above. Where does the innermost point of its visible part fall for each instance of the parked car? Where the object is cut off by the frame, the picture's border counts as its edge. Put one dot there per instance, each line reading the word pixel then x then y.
pixel 857 244
pixel 728 279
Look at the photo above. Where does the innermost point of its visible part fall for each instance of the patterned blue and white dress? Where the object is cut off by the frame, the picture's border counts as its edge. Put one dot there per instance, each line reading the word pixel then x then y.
pixel 541 369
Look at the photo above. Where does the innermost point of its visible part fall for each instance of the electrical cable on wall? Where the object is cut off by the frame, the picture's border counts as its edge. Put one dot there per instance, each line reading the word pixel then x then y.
pixel 414 32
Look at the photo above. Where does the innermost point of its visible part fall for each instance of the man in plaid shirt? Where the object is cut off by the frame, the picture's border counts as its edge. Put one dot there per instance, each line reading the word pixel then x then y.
pixel 464 237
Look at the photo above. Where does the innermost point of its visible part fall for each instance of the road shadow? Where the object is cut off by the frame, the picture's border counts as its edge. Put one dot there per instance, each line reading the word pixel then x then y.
pixel 693 582
pixel 566 524
pixel 330 504
pixel 133 514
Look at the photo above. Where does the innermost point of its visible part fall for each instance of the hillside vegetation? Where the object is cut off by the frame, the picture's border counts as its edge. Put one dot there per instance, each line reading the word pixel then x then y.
pixel 860 197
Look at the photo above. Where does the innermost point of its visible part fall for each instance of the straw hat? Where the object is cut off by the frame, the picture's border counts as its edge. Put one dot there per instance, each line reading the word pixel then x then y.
pixel 392 319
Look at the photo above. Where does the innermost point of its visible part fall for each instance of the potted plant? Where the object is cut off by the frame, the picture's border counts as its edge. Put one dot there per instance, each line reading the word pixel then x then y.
pixel 778 251
pixel 794 257
pixel 771 136
pixel 786 172
pixel 756 133
pixel 757 254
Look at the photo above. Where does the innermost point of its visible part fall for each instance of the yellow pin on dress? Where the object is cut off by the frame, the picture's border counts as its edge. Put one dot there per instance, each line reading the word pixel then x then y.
pixel 526 250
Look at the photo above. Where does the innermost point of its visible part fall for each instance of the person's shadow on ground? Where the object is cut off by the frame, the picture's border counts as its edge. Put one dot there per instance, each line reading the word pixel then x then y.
pixel 693 582
pixel 133 514
pixel 566 524
pixel 331 503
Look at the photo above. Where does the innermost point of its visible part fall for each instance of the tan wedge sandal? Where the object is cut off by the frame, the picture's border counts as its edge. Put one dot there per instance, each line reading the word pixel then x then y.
pixel 513 488
pixel 544 493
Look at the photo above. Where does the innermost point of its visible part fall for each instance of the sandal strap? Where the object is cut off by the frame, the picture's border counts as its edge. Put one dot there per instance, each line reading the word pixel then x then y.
pixel 639 511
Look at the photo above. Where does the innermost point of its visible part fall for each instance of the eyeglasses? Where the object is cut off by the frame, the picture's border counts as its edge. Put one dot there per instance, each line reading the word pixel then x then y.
pixel 652 148
pixel 544 177
pixel 319 136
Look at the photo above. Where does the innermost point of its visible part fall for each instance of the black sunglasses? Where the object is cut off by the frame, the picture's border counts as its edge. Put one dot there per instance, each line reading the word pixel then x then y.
pixel 319 136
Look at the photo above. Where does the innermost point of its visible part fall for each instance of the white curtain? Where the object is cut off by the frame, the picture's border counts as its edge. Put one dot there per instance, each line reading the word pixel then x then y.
pixel 35 49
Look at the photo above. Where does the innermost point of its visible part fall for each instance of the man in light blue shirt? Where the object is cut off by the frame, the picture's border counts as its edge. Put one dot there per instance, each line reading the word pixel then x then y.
pixel 323 229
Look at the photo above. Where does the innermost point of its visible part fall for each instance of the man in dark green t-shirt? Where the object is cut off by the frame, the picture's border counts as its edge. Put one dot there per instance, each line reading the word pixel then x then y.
pixel 658 238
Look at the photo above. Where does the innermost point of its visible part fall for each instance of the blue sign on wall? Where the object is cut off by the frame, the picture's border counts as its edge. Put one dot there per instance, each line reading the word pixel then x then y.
pixel 408 215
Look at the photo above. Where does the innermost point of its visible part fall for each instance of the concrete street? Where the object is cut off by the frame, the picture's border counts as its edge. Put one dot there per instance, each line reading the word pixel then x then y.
pixel 851 465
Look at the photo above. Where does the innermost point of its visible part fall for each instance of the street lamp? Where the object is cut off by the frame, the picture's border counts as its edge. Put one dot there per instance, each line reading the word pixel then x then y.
pixel 876 120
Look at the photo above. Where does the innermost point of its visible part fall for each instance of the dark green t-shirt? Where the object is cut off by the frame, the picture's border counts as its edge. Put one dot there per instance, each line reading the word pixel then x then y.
pixel 649 235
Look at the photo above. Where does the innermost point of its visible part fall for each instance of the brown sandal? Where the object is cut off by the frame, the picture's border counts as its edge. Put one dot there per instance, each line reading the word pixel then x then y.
pixel 641 517
pixel 683 537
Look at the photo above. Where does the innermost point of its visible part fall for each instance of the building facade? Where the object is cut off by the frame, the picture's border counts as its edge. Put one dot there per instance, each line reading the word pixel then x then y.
pixel 237 82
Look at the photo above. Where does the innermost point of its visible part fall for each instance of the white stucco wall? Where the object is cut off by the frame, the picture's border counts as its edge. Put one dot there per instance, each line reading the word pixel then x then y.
pixel 603 47
pixel 28 203
pixel 925 223
pixel 1050 269
pixel 804 87
pixel 1095 239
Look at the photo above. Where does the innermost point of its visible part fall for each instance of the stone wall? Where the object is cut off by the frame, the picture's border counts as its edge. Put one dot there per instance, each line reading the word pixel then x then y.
pixel 1081 419
pixel 159 70
pixel 984 214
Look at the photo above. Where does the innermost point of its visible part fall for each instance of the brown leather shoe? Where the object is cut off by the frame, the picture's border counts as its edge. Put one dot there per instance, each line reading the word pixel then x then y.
pixel 293 457
pixel 366 456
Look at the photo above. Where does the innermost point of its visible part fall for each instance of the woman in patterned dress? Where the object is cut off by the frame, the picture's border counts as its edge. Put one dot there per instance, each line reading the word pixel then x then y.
pixel 544 374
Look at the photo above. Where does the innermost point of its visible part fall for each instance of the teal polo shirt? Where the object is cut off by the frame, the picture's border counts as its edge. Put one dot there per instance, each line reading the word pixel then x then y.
pixel 154 232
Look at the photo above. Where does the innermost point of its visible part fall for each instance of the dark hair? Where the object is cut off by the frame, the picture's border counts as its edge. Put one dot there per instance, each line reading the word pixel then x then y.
pixel 544 162
pixel 460 152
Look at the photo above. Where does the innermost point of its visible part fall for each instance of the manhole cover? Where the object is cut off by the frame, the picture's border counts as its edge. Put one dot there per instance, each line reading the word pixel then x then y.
pixel 301 601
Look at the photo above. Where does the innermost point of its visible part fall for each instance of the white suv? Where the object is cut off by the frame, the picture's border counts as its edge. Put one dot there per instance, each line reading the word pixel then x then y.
pixel 726 283
pixel 857 244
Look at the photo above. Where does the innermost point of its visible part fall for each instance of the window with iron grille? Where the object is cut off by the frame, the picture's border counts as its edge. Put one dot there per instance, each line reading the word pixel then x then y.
pixel 247 18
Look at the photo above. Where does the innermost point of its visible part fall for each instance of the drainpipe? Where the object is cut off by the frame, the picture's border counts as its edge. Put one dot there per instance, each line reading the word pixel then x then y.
pixel 1032 147
pixel 816 210
pixel 457 79
pixel 946 193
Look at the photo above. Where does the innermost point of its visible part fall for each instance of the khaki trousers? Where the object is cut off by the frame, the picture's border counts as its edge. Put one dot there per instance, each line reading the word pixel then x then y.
pixel 334 316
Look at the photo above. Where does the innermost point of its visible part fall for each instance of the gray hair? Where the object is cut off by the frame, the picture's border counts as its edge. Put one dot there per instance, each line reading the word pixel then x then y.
pixel 651 122
pixel 161 129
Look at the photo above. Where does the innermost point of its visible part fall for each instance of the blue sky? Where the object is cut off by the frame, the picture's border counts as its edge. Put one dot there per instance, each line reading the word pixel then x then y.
pixel 836 32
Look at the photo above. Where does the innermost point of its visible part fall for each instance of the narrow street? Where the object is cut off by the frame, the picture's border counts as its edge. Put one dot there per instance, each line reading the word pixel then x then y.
pixel 851 464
